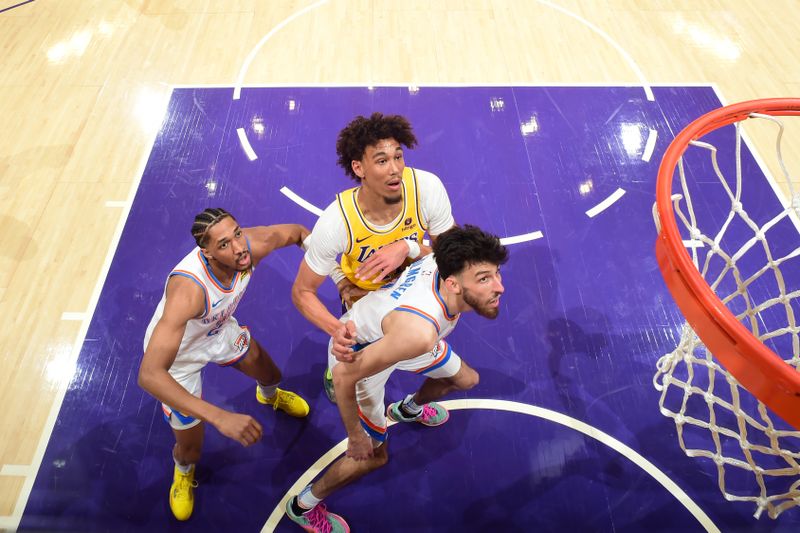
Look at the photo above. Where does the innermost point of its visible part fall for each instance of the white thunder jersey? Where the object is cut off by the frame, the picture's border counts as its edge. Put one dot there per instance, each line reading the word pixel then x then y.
pixel 220 303
pixel 415 291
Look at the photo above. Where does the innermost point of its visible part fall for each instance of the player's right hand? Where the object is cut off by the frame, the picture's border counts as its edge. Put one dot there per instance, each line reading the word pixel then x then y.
pixel 359 446
pixel 242 428
pixel 343 340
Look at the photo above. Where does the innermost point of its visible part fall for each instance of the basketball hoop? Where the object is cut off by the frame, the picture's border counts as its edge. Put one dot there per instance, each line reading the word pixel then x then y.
pixel 730 303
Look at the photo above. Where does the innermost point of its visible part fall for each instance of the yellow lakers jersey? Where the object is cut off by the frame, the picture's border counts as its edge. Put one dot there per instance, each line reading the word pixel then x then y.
pixel 363 239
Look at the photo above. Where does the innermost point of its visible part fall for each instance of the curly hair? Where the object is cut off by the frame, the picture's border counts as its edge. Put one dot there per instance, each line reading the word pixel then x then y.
pixel 460 247
pixel 204 221
pixel 362 132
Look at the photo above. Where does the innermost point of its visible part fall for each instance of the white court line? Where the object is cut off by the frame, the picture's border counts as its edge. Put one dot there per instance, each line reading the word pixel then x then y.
pixel 522 238
pixel 522 408
pixel 423 84
pixel 12 522
pixel 605 204
pixel 73 316
pixel 15 470
pixel 650 145
pixel 237 91
pixel 243 140
pixel 308 206
pixel 116 203
pixel 646 86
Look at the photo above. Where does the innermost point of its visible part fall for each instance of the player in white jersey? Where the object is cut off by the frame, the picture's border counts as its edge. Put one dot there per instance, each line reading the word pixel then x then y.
pixel 402 326
pixel 193 325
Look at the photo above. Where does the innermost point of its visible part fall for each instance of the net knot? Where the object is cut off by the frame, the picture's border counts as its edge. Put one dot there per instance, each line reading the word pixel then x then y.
pixel 737 207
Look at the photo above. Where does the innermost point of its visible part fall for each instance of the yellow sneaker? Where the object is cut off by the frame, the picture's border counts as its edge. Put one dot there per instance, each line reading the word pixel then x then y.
pixel 181 494
pixel 288 402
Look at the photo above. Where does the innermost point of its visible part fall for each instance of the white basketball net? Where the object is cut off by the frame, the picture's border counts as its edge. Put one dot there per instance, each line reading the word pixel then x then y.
pixel 757 455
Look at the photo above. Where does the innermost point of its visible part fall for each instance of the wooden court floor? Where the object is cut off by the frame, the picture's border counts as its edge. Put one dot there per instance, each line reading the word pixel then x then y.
pixel 84 84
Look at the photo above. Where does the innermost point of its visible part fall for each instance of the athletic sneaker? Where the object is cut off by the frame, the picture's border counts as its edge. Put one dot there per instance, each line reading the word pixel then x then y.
pixel 286 401
pixel 432 414
pixel 327 383
pixel 318 519
pixel 181 494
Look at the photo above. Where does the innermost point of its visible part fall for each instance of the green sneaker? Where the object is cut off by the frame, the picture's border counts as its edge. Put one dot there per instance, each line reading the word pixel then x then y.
pixel 318 520
pixel 432 414
pixel 327 382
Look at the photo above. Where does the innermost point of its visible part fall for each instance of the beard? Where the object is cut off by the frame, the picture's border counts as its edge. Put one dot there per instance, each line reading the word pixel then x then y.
pixel 482 308
pixel 393 200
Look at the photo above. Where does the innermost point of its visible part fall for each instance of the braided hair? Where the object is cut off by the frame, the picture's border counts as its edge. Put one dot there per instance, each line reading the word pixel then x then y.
pixel 204 221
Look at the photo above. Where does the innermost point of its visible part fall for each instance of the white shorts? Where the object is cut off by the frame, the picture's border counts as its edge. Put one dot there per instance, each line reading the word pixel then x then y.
pixel 226 348
pixel 441 362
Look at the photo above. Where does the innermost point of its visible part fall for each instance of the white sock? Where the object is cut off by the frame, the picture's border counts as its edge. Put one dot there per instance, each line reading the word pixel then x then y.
pixel 268 391
pixel 185 469
pixel 306 498
pixel 410 406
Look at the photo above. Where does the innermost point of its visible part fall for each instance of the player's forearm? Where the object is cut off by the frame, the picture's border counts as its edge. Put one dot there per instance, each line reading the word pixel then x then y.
pixel 424 250
pixel 310 306
pixel 301 235
pixel 162 386
pixel 289 234
pixel 345 386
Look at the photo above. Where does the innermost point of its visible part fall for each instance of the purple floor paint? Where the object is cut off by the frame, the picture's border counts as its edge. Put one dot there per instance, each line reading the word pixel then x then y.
pixel 584 319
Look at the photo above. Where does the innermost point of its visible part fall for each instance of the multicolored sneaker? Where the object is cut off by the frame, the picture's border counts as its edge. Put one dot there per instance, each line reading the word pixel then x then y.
pixel 432 414
pixel 181 494
pixel 327 383
pixel 288 402
pixel 318 519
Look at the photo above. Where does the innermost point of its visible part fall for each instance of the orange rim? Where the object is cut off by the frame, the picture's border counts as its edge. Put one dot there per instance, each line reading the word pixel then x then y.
pixel 762 372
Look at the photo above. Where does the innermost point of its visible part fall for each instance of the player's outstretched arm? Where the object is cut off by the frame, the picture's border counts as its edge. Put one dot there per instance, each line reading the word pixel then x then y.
pixel 266 239
pixel 185 300
pixel 305 298
pixel 406 336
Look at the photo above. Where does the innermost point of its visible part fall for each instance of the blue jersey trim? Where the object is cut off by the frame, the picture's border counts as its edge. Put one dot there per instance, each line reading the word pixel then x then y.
pixel 414 312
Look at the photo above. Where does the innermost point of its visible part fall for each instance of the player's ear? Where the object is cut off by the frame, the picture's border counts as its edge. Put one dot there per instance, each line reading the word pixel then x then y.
pixel 358 168
pixel 205 253
pixel 453 285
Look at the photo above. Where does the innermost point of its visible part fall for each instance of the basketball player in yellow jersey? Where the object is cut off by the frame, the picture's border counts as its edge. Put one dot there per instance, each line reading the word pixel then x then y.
pixel 375 227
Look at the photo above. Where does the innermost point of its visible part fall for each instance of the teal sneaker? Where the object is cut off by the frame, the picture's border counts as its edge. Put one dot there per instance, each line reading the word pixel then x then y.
pixel 327 382
pixel 432 414
pixel 318 520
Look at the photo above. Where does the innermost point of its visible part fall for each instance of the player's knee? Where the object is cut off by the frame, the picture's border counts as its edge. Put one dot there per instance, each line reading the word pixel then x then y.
pixel 381 457
pixel 469 379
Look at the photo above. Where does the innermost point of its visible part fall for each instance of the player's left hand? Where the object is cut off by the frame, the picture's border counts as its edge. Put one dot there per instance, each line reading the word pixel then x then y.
pixel 383 262
pixel 359 446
